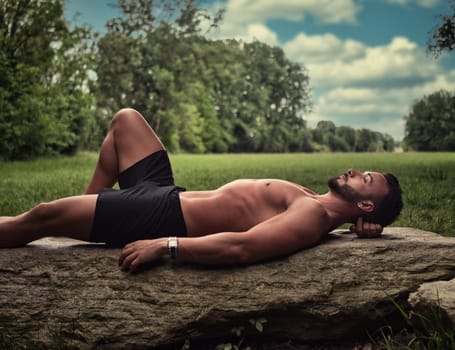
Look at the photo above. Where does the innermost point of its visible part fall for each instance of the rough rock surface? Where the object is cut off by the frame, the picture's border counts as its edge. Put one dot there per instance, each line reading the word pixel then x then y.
pixel 61 290
pixel 436 296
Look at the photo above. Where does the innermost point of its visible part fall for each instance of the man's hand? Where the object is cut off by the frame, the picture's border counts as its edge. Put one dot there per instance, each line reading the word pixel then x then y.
pixel 140 252
pixel 366 229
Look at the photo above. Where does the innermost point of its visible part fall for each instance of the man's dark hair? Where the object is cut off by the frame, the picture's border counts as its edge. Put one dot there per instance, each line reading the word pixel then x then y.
pixel 387 208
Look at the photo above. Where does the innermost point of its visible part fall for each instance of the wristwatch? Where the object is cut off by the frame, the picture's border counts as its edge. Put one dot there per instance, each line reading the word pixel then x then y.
pixel 172 246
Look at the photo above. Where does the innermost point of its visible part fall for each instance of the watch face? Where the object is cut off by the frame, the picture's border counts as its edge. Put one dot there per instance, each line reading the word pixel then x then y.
pixel 172 245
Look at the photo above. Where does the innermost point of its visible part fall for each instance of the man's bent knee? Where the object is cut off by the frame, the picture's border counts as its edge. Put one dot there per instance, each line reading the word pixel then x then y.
pixel 133 137
pixel 125 116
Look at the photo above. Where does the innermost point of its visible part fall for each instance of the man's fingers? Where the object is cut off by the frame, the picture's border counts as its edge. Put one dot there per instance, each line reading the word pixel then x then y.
pixel 378 228
pixel 366 229
pixel 359 224
pixel 374 228
pixel 127 250
pixel 137 253
pixel 128 259
pixel 135 263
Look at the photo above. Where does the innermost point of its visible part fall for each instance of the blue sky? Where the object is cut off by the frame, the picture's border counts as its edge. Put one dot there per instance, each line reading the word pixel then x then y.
pixel 366 59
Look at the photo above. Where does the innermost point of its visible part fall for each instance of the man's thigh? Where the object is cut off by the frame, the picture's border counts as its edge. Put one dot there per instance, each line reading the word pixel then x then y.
pixel 72 216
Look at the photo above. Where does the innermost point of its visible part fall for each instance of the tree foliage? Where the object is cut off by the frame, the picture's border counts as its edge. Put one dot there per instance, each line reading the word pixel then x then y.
pixel 430 125
pixel 201 95
pixel 42 76
pixel 328 137
pixel 443 34
pixel 60 85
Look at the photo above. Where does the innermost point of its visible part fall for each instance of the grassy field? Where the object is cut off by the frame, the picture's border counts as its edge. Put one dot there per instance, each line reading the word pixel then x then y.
pixel 428 179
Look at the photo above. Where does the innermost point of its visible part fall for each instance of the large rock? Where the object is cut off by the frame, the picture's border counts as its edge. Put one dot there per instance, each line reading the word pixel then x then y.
pixel 64 291
pixel 435 300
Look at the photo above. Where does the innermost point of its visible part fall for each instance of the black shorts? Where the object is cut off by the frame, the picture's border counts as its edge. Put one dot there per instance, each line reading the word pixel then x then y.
pixel 146 206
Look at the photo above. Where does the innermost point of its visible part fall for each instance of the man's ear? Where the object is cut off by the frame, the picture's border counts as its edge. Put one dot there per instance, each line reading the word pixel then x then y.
pixel 366 205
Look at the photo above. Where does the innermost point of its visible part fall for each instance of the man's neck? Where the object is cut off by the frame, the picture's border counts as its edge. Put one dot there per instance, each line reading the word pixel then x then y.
pixel 338 209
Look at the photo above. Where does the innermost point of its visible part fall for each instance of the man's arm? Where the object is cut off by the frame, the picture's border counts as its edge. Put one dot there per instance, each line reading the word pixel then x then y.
pixel 283 234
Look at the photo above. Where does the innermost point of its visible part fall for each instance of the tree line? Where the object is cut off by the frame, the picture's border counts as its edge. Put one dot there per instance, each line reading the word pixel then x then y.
pixel 60 84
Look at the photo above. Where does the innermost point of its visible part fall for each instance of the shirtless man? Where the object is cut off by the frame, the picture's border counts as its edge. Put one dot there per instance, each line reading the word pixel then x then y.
pixel 242 222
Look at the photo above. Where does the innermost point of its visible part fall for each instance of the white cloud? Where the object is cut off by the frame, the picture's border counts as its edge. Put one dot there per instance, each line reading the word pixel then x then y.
pixel 246 20
pixel 428 3
pixel 397 2
pixel 322 48
pixel 327 11
pixel 353 83
pixel 333 62
pixel 250 32
pixel 423 3
pixel 380 109
pixel 261 33
pixel 362 86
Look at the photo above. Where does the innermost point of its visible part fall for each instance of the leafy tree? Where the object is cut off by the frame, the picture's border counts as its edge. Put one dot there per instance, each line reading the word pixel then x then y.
pixel 328 137
pixel 324 130
pixel 43 66
pixel 347 134
pixel 212 132
pixel 145 61
pixel 280 89
pixel 364 140
pixel 430 125
pixel 388 143
pixel 337 143
pixel 443 35
pixel 227 95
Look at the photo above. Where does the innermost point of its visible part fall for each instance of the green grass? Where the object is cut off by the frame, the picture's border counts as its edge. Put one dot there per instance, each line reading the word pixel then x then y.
pixel 428 179
pixel 431 330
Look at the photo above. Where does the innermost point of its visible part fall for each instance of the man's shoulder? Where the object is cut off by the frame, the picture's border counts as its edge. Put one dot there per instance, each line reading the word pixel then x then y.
pixel 307 218
pixel 307 203
pixel 308 208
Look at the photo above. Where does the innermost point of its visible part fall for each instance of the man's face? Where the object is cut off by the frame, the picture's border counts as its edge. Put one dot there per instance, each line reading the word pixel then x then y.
pixel 354 185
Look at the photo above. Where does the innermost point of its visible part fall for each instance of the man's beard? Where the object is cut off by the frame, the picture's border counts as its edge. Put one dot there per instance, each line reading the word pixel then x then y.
pixel 345 191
